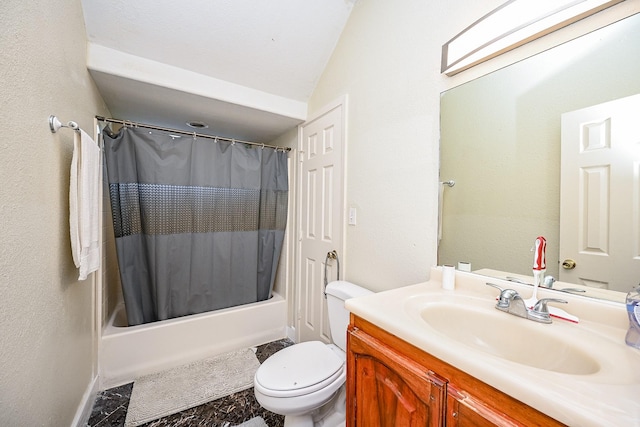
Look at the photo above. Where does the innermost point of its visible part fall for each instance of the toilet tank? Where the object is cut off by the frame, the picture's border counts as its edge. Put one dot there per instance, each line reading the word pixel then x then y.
pixel 337 293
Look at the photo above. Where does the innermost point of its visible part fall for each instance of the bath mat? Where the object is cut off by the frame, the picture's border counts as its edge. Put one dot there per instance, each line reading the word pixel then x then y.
pixel 158 395
pixel 254 422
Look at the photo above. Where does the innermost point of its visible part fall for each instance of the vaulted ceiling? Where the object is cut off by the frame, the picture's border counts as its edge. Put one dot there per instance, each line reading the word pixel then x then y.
pixel 246 68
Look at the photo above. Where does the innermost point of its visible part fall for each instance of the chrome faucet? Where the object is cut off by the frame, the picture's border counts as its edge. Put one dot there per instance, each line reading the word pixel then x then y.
pixel 511 302
pixel 547 283
pixel 550 280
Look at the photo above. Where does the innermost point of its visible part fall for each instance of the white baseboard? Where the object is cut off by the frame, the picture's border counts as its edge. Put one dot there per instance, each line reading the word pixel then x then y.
pixel 83 413
pixel 291 333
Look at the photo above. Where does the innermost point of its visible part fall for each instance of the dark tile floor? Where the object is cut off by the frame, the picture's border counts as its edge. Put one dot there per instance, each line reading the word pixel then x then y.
pixel 110 407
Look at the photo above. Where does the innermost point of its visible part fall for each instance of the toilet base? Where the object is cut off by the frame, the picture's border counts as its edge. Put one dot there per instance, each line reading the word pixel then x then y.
pixel 298 421
pixel 331 414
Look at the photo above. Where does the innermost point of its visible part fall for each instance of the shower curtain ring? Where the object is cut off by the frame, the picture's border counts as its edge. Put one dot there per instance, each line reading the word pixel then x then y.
pixel 263 146
pixel 233 141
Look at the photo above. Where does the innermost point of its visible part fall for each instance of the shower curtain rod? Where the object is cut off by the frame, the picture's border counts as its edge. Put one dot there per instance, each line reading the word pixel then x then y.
pixel 184 132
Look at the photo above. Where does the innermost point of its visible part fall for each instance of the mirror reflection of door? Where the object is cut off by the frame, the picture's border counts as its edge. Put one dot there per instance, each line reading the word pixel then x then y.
pixel 600 186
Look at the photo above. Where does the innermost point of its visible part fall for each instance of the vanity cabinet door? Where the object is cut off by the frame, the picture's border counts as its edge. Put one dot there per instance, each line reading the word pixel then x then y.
pixel 388 388
pixel 464 410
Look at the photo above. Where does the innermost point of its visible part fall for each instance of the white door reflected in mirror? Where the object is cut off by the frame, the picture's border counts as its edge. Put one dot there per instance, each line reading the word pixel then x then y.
pixel 599 195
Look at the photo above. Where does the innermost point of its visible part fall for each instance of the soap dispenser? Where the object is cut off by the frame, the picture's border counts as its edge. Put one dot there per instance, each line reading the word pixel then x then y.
pixel 633 310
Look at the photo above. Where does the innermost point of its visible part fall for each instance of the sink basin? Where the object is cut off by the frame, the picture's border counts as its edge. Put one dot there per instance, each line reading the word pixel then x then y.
pixel 507 336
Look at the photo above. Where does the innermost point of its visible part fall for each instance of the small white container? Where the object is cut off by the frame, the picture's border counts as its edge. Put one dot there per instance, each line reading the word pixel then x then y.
pixel 448 277
pixel 464 266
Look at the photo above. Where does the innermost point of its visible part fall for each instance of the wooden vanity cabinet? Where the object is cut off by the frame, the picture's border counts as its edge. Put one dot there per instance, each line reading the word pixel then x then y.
pixel 387 388
pixel 392 383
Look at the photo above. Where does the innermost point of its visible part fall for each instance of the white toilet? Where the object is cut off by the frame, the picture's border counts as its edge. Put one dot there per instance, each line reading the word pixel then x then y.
pixel 306 382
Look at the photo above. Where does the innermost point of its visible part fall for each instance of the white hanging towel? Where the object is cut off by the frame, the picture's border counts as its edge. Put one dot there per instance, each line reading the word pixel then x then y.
pixel 84 221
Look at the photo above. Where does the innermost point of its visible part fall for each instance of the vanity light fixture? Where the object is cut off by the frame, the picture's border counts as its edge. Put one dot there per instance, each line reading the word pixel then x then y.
pixel 511 25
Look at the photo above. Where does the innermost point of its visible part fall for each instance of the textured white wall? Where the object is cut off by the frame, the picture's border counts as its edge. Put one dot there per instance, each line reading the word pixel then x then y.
pixel 46 350
pixel 388 62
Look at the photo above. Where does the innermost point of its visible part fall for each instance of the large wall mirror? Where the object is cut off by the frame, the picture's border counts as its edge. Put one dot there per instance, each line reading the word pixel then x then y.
pixel 500 143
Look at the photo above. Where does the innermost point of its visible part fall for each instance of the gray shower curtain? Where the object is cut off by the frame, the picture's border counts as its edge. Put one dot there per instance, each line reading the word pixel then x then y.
pixel 199 225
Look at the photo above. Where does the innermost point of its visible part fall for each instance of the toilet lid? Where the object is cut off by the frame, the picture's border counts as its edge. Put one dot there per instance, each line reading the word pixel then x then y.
pixel 298 367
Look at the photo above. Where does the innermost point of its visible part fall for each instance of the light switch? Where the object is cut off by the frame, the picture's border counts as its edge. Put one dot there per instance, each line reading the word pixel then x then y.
pixel 352 216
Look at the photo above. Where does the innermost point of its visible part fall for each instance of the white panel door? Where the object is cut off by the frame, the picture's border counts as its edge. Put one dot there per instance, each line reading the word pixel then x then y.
pixel 600 195
pixel 321 212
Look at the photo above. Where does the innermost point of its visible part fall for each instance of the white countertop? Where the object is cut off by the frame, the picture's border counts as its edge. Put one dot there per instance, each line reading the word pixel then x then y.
pixel 608 397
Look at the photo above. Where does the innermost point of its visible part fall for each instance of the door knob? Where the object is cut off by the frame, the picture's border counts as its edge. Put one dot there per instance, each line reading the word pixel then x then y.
pixel 568 264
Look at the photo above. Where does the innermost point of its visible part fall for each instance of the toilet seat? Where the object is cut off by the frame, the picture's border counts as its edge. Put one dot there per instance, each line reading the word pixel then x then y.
pixel 300 369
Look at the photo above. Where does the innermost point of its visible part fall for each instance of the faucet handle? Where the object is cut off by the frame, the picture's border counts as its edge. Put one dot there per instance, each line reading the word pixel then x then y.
pixel 506 295
pixel 495 286
pixel 540 311
pixel 541 305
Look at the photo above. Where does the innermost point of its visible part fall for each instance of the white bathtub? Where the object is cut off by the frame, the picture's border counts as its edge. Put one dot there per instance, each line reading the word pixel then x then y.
pixel 130 351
